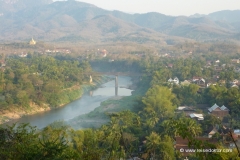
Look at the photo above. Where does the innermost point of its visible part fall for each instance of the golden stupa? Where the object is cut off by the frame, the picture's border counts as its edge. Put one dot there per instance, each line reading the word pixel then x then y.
pixel 32 42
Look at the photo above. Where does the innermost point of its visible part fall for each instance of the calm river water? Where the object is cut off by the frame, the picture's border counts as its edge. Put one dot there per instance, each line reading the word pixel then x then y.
pixel 81 106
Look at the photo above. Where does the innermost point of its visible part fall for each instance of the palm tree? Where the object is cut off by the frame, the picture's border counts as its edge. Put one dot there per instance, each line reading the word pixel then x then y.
pixel 152 119
pixel 194 128
pixel 153 142
pixel 182 127
pixel 170 128
pixel 190 126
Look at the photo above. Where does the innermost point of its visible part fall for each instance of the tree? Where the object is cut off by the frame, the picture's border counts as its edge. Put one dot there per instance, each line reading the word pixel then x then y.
pixel 159 148
pixel 158 102
pixel 166 149
pixel 183 127
pixel 119 133
pixel 215 94
pixel 22 98
pixel 161 76
pixel 153 142
pixel 25 142
pixel 18 142
pixel 187 95
pixel 211 120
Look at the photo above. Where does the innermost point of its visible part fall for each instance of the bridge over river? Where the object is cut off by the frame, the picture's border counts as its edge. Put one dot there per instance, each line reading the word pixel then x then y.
pixel 130 74
pixel 114 73
pixel 84 105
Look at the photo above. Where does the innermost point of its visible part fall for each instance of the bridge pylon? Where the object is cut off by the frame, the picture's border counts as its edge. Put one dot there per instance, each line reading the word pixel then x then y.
pixel 90 79
pixel 116 85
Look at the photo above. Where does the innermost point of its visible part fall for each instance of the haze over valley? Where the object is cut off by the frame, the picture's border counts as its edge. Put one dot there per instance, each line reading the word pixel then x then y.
pixel 81 82
pixel 81 22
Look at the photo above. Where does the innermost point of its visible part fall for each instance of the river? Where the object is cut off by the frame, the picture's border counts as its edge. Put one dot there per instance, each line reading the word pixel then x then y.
pixel 87 103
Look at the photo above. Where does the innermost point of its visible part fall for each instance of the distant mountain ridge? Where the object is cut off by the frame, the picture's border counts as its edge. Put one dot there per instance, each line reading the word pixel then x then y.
pixel 61 20
pixel 226 15
pixel 17 5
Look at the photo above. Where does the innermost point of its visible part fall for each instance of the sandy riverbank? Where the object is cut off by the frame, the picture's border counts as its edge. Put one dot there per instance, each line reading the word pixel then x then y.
pixel 18 112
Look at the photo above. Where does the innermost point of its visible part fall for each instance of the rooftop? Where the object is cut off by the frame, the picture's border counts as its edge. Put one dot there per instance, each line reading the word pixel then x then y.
pixel 215 106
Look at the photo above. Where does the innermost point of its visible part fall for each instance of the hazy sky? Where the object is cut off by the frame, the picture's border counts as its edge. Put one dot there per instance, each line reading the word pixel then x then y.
pixel 168 7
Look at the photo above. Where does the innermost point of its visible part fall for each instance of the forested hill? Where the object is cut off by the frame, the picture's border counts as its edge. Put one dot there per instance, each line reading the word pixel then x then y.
pixel 76 21
pixel 40 81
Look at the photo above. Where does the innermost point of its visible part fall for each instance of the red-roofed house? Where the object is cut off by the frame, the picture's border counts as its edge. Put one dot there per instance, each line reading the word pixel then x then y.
pixel 218 111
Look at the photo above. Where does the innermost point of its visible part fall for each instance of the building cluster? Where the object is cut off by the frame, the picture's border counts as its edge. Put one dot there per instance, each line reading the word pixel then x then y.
pixel 218 111
pixel 215 110
pixel 203 83
pixel 58 50
pixel 102 53
pixel 22 55
pixel 173 81
pixel 2 63
pixel 215 79
pixel 195 80
pixel 227 136
pixel 236 61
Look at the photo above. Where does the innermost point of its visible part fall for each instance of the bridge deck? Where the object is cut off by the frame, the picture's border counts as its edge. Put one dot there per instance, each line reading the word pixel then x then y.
pixel 114 73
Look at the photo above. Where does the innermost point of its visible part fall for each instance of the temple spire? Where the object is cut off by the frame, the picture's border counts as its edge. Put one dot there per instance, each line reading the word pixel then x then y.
pixel 32 42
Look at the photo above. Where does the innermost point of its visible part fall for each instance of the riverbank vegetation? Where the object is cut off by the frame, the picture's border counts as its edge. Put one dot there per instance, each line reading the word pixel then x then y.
pixel 41 81
pixel 150 125
pixel 100 115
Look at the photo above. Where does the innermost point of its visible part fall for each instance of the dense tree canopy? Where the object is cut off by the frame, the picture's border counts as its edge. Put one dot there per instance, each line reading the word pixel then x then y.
pixel 40 80
pixel 148 133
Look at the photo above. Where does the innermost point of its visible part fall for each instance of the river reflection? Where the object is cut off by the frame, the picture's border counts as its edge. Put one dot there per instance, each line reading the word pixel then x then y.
pixel 86 104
